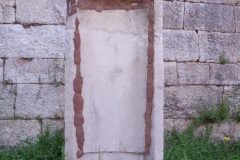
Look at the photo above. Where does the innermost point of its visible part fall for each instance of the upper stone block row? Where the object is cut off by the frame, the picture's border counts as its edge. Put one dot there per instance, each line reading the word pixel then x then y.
pixel 200 16
pixel 31 11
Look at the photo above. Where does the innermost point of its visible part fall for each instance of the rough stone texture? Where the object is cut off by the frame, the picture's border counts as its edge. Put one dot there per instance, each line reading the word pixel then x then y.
pixel 7 92
pixel 12 131
pixel 25 70
pixel 35 100
pixel 170 73
pixel 193 73
pixel 227 74
pixel 33 42
pixel 232 93
pixel 173 15
pixel 183 101
pixel 1 70
pixel 179 124
pixel 7 12
pixel 237 17
pixel 233 2
pixel 52 124
pixel 212 45
pixel 209 17
pixel 180 45
pixel 42 12
pixel 133 21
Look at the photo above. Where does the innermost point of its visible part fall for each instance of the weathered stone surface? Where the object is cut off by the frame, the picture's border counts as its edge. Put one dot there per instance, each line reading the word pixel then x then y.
pixel 12 131
pixel 234 2
pixel 111 156
pixel 35 100
pixel 27 70
pixel 173 15
pixel 227 74
pixel 38 42
pixel 7 92
pixel 193 73
pixel 170 73
pixel 232 93
pixel 1 74
pixel 52 124
pixel 7 11
pixel 133 21
pixel 182 101
pixel 1 62
pixel 180 45
pixel 209 17
pixel 237 17
pixel 42 12
pixel 179 124
pixel 212 45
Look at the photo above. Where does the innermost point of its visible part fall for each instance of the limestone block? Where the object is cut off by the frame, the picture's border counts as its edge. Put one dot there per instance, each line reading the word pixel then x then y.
pixel 209 17
pixel 1 74
pixel 27 70
pixel 38 42
pixel 1 62
pixel 193 73
pixel 133 21
pixel 173 15
pixel 12 131
pixel 232 93
pixel 236 130
pixel 231 2
pixel 212 45
pixel 7 11
pixel 227 74
pixel 170 73
pixel 179 124
pixel 237 17
pixel 183 101
pixel 52 124
pixel 112 156
pixel 42 12
pixel 7 93
pixel 180 45
pixel 35 100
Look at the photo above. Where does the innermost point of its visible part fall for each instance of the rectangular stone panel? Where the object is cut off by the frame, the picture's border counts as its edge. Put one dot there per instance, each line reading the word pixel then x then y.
pixel 52 125
pixel 209 17
pixel 41 12
pixel 183 101
pixel 7 11
pixel 237 17
pixel 212 45
pixel 193 73
pixel 27 70
pixel 170 73
pixel 231 2
pixel 180 45
pixel 173 15
pixel 114 74
pixel 35 100
pixel 34 41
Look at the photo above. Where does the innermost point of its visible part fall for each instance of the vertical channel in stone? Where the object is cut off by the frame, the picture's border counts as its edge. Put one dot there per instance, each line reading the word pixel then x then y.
pixel 77 86
pixel 150 78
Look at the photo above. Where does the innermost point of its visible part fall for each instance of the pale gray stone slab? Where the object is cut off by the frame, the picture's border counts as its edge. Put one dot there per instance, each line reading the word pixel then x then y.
pixel 38 42
pixel 113 156
pixel 229 2
pixel 7 13
pixel 42 12
pixel 173 15
pixel 183 101
pixel 237 18
pixel 179 124
pixel 212 45
pixel 180 45
pixel 232 93
pixel 193 73
pixel 52 125
pixel 227 74
pixel 35 100
pixel 1 62
pixel 8 93
pixel 27 70
pixel 170 73
pixel 1 74
pixel 12 131
pixel 209 17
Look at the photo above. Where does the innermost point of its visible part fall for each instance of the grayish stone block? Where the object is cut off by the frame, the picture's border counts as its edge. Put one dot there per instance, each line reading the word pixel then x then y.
pixel 237 17
pixel 173 15
pixel 179 124
pixel 229 2
pixel 193 73
pixel 170 73
pixel 35 100
pixel 209 17
pixel 180 45
pixel 38 42
pixel 52 124
pixel 7 11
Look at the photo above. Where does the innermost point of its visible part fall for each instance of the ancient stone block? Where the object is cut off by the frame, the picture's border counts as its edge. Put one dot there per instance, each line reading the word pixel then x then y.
pixel 237 17
pixel 227 74
pixel 1 74
pixel 1 62
pixel 180 45
pixel 42 12
pixel 12 131
pixel 209 17
pixel 7 95
pixel 27 70
pixel 232 93
pixel 35 100
pixel 183 101
pixel 7 11
pixel 170 73
pixel 193 73
pixel 52 124
pixel 212 45
pixel 179 124
pixel 173 15
pixel 38 42
pixel 231 2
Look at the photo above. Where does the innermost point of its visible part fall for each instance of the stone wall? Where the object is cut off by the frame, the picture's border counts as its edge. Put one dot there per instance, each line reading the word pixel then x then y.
pixel 32 48
pixel 196 34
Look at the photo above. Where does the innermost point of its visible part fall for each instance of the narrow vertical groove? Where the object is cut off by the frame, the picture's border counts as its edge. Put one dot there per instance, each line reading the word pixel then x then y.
pixel 77 87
